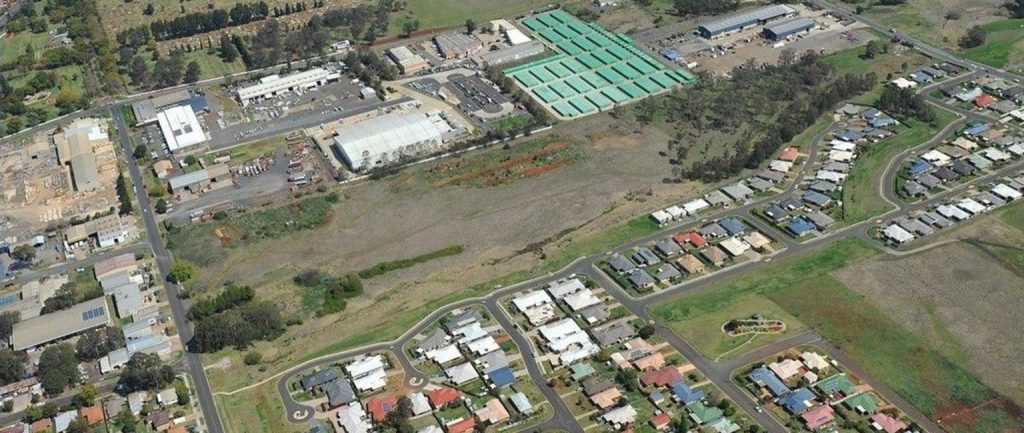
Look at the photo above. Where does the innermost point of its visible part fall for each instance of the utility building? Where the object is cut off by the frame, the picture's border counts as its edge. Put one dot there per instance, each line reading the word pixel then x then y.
pixel 274 85
pixel 386 139
pixel 785 29
pixel 745 20
pixel 407 61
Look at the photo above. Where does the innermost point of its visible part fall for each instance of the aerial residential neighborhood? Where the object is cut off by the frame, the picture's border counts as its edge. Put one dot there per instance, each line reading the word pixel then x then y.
pixel 437 216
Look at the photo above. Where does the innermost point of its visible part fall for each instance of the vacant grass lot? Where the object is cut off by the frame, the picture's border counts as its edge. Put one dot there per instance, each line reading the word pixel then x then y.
pixel 441 14
pixel 861 198
pixel 1003 46
pixel 256 410
pixel 804 287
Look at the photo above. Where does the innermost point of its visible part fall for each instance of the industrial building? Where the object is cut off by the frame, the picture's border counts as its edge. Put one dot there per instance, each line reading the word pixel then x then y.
pixel 180 127
pixel 407 61
pixel 216 175
pixel 512 54
pixel 29 301
pixel 745 20
pixel 108 231
pixel 145 110
pixel 78 146
pixel 789 28
pixel 37 331
pixel 386 139
pixel 513 35
pixel 274 85
pixel 457 45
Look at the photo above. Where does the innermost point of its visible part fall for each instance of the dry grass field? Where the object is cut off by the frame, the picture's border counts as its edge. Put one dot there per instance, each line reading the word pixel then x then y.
pixel 960 300
pixel 940 22
pixel 413 213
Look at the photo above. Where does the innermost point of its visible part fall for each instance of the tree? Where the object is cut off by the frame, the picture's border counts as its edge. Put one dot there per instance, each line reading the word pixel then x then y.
pixel 253 357
pixel 191 160
pixel 470 26
pixel 86 396
pixel 704 7
pixel 79 425
pixel 7 321
pixel 192 72
pixel 628 379
pixel 975 37
pixel 161 206
pixel 34 413
pixel 98 342
pixel 408 27
pixel 126 420
pixel 872 49
pixel 58 368
pixel 140 152
pixel 12 366
pixel 123 195
pixel 181 390
pixel 149 10
pixel 227 49
pixel 181 272
pixel 1016 8
pixel 24 253
pixel 647 331
pixel 145 371
pixel 139 71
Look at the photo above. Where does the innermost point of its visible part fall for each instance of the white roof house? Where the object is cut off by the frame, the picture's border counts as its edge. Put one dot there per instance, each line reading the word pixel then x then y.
pixel 531 299
pixel 695 206
pixel 840 155
pixel 483 346
pixel 373 381
pixel 420 403
pixel 830 176
pixel 675 211
pixel 385 139
pixel 620 416
pixel 444 355
pixel 935 157
pixel 564 288
pixel 995 154
pixel 780 166
pixel 903 83
pixel 897 234
pixel 462 373
pixel 952 212
pixel 365 366
pixel 661 217
pixel 1005 192
pixel 971 206
pixel 841 145
pixel 582 299
pixel 180 127
pixel 540 314
pixel 785 369
pixel 469 333
pixel 814 360
pixel 563 334
pixel 734 246
pixel 352 419
pixel 578 353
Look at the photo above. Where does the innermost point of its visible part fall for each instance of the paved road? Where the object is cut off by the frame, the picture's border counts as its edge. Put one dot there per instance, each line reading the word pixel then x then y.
pixel 163 261
pixel 58 268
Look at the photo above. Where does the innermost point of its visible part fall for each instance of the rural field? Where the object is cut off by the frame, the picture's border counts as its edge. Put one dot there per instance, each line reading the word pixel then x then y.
pixel 926 373
pixel 1004 44
pixel 938 22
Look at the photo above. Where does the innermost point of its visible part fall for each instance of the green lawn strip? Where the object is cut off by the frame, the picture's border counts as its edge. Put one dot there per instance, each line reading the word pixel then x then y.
pixel 801 285
pixel 434 14
pixel 1004 43
pixel 385 267
pixel 861 199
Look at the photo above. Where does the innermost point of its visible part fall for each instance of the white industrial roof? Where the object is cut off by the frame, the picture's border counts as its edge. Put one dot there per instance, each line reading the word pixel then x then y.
pixel 274 83
pixel 180 127
pixel 384 138
pixel 516 37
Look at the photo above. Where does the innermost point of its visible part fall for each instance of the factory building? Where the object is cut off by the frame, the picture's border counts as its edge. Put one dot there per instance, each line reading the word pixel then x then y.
pixel 274 85
pixel 145 110
pixel 785 29
pixel 40 330
pixel 745 20
pixel 180 127
pixel 108 231
pixel 511 54
pixel 408 62
pixel 78 146
pixel 513 35
pixel 457 45
pixel 388 138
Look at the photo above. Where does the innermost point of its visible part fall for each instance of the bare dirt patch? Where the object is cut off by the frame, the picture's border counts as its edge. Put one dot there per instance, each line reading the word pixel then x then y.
pixel 958 298
pixel 608 139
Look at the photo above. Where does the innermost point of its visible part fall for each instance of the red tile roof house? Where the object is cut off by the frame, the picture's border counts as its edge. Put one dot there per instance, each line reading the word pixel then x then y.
pixel 818 417
pixel 692 238
pixel 380 407
pixel 984 101
pixel 881 421
pixel 464 426
pixel 664 377
pixel 789 154
pixel 660 421
pixel 442 397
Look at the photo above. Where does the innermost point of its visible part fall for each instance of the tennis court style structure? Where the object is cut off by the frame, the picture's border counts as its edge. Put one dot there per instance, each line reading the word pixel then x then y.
pixel 593 69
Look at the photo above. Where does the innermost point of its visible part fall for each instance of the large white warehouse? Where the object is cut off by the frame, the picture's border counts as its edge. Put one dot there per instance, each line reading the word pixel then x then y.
pixel 387 138
pixel 274 84
pixel 180 127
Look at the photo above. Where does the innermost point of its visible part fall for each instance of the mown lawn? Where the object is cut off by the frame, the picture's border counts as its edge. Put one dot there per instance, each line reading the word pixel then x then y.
pixel 802 286
pixel 861 198
pixel 1004 44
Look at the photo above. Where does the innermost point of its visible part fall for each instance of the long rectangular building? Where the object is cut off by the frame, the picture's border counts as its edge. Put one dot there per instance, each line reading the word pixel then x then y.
pixel 58 325
pixel 386 139
pixel 744 20
pixel 789 28
pixel 275 85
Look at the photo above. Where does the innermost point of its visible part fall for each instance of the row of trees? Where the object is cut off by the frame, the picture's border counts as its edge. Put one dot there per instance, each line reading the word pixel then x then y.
pixel 232 296
pixel 202 22
pixel 237 327
pixel 904 103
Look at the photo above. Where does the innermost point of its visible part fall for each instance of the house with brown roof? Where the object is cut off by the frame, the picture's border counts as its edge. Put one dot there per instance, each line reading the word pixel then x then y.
pixel 789 155
pixel 442 397
pixel 44 425
pixel 92 414
pixel 653 361
pixel 159 420
pixel 607 398
pixel 691 264
pixel 714 255
pixel 662 378
pixel 692 238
